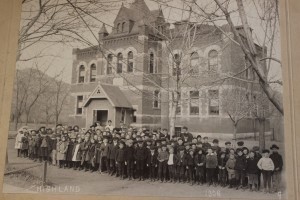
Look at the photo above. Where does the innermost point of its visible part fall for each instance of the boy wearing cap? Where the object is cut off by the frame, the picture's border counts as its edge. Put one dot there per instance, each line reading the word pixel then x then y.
pixel 181 164
pixel 120 159
pixel 240 169
pixel 200 160
pixel 162 158
pixel 278 164
pixel 266 165
pixel 230 165
pixel 112 155
pixel 104 151
pixel 129 158
pixel 140 156
pixel 222 169
pixel 172 165
pixel 252 171
pixel 152 163
pixel 190 166
pixel 211 165
pixel 206 144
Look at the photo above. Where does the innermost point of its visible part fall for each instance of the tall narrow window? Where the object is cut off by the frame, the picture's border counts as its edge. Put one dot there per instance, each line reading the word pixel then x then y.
pixel 123 112
pixel 194 68
pixel 176 65
pixel 118 28
pixel 134 116
pixel 151 63
pixel 123 27
pixel 81 74
pixel 130 62
pixel 213 96
pixel 178 108
pixel 93 73
pixel 79 105
pixel 213 60
pixel 119 63
pixel 194 102
pixel 156 99
pixel 109 64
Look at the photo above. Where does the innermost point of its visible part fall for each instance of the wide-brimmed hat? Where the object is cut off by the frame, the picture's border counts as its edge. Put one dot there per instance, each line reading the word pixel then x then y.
pixel 274 146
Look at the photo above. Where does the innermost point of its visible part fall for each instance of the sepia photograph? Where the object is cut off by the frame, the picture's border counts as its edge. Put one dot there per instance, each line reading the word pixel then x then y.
pixel 156 98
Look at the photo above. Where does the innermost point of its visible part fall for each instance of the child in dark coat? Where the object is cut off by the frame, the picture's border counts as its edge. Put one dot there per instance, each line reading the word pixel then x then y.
pixel 120 160
pixel 140 157
pixel 152 163
pixel 240 169
pixel 190 166
pixel 222 169
pixel 129 158
pixel 230 165
pixel 200 160
pixel 162 158
pixel 181 165
pixel 252 171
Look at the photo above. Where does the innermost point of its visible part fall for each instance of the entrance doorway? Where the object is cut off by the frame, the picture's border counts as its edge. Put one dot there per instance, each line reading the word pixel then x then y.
pixel 101 116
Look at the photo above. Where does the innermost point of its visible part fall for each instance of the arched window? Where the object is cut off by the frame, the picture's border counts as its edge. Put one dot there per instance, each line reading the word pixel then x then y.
pixel 119 63
pixel 81 74
pixel 109 65
pixel 176 65
pixel 93 73
pixel 118 28
pixel 213 60
pixel 123 27
pixel 194 67
pixel 151 63
pixel 130 62
pixel 156 99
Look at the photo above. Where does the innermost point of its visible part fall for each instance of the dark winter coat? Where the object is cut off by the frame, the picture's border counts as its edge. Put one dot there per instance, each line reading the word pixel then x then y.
pixel 181 160
pixel 84 151
pixel 120 155
pixel 252 165
pixel 140 153
pixel 129 154
pixel 190 160
pixel 222 161
pixel 69 154
pixel 200 158
pixel 151 159
pixel 205 146
pixel 112 151
pixel 241 163
pixel 91 153
pixel 277 160
pixel 105 149
pixel 211 161
pixel 98 152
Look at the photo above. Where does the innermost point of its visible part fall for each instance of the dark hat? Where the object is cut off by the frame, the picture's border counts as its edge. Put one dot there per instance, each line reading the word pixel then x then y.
pixel 163 145
pixel 163 139
pixel 185 134
pixel 255 148
pixel 152 147
pixel 42 127
pixel 205 137
pixel 200 149
pixel 76 126
pixel 245 148
pixel 199 142
pixel 240 143
pixel 187 144
pixel 214 148
pixel 179 139
pixel 140 141
pixel 58 125
pixel 191 150
pixel 91 126
pixel 105 137
pixel 199 136
pixel 193 143
pixel 274 146
pixel 215 141
pixel 265 151
pixel 227 142
pixel 122 142
pixel 238 150
pixel 115 138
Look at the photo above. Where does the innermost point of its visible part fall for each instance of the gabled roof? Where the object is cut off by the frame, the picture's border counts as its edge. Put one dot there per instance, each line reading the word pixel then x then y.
pixel 111 92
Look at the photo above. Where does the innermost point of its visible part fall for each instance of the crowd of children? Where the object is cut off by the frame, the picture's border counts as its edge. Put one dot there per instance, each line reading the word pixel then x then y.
pixel 142 154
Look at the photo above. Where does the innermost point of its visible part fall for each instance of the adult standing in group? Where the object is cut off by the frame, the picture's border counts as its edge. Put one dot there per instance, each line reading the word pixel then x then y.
pixel 18 143
pixel 109 126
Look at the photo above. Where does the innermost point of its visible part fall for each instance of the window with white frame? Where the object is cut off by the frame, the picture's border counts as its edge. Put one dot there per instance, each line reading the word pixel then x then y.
pixel 194 65
pixel 213 107
pixel 130 62
pixel 93 73
pixel 79 105
pixel 119 63
pixel 156 99
pixel 81 74
pixel 213 60
pixel 194 102
pixel 109 64
pixel 123 27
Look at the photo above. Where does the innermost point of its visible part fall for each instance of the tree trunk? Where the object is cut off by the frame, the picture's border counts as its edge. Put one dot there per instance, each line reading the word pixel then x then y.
pixel 27 119
pixel 172 119
pixel 262 142
pixel 16 123
pixel 234 131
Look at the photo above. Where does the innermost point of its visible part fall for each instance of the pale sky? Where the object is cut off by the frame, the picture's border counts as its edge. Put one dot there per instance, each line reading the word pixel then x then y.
pixel 61 55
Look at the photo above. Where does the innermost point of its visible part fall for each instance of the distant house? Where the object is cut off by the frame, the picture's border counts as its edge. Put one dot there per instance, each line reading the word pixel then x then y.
pixel 123 81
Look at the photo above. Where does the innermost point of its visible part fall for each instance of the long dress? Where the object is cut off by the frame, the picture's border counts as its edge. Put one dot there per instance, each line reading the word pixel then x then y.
pixel 18 143
pixel 76 153
pixel 62 148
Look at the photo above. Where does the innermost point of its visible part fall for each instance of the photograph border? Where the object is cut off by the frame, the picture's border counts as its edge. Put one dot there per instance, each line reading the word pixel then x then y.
pixel 10 12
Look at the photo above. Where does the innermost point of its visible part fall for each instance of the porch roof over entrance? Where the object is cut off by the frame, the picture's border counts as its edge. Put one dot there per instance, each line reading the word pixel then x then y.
pixel 111 92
